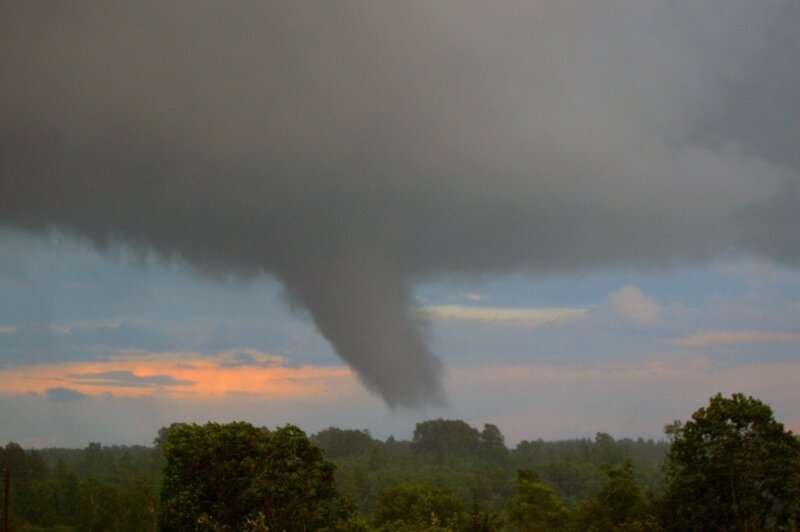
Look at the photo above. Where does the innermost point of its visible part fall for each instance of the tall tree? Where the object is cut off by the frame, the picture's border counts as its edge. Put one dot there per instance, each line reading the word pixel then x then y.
pixel 26 469
pixel 221 477
pixel 536 508
pixel 619 505
pixel 492 445
pixel 732 467
pixel 100 507
pixel 446 439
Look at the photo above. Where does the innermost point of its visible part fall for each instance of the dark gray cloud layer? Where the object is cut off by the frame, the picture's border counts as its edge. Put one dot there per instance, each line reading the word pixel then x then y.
pixel 353 149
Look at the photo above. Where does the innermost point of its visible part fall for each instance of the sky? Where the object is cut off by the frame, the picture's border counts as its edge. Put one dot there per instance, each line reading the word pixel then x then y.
pixel 557 217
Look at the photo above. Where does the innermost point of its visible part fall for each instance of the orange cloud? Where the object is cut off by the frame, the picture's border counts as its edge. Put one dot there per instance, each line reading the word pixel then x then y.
pixel 186 374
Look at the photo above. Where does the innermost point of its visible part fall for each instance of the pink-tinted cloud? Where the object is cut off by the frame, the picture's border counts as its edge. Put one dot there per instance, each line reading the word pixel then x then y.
pixel 525 318
pixel 527 401
pixel 558 401
pixel 634 307
pixel 184 374
pixel 713 338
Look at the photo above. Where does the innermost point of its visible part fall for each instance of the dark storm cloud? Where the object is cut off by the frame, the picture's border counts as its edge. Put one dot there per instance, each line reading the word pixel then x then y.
pixel 64 395
pixel 353 149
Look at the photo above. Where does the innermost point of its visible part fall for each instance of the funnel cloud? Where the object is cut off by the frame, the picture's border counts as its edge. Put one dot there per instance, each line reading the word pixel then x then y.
pixel 353 149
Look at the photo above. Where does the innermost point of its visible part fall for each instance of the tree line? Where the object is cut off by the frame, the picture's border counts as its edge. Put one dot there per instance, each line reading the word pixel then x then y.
pixel 732 466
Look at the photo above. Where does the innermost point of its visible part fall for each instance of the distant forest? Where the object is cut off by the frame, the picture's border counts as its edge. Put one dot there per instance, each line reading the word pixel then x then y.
pixel 449 476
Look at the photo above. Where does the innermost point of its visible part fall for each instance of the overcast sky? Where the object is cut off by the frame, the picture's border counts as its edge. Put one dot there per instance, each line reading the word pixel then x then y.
pixel 559 217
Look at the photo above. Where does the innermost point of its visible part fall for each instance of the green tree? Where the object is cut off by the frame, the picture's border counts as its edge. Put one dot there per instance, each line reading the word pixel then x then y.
pixel 26 470
pixel 95 463
pixel 607 449
pixel 492 446
pixel 619 505
pixel 100 507
pixel 487 488
pixel 446 439
pixel 536 508
pixel 140 499
pixel 25 466
pixel 732 467
pixel 54 500
pixel 221 477
pixel 338 443
pixel 417 507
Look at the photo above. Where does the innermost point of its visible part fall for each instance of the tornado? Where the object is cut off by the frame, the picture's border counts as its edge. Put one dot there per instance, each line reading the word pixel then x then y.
pixel 353 150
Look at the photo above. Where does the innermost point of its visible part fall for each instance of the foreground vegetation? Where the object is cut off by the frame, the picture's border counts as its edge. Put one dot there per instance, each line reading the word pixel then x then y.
pixel 730 467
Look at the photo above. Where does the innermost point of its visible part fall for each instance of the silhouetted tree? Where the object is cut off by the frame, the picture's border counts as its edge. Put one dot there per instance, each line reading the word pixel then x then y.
pixel 221 477
pixel 732 467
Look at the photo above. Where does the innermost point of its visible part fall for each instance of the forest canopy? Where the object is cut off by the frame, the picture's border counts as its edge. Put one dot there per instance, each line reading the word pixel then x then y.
pixel 731 466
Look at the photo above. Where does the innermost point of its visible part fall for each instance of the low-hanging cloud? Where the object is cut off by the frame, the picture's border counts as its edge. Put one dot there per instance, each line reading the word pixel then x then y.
pixel 352 149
